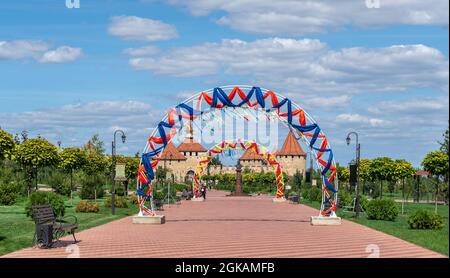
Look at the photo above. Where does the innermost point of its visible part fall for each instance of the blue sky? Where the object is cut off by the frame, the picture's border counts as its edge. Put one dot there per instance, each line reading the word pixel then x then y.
pixel 69 73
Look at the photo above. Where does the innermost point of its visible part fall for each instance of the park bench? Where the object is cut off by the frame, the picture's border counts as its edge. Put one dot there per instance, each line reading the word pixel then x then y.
pixel 49 229
pixel 295 199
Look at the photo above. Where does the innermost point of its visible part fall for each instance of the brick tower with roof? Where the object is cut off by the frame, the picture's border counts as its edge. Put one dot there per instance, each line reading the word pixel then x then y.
pixel 182 160
pixel 291 156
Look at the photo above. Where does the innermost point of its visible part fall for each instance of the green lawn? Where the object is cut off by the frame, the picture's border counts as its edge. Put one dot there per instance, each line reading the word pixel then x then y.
pixel 436 240
pixel 17 230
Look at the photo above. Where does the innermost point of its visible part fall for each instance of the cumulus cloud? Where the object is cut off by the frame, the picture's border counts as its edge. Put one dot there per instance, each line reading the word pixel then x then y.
pixel 63 54
pixel 307 64
pixel 410 106
pixel 293 17
pixel 141 29
pixel 20 49
pixel 328 102
pixel 101 113
pixel 38 50
pixel 232 55
pixel 142 51
pixel 360 119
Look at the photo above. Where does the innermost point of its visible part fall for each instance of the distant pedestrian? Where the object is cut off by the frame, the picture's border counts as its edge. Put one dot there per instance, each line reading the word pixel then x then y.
pixel 203 191
pixel 185 193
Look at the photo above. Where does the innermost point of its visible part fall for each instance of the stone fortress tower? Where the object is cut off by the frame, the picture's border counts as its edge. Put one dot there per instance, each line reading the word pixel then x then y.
pixel 291 156
pixel 182 160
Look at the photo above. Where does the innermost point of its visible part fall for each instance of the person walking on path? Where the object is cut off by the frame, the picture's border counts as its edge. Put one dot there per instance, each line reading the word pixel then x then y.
pixel 203 191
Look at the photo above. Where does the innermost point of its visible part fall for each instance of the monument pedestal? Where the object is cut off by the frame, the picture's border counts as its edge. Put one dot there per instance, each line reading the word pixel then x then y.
pixel 325 220
pixel 197 199
pixel 238 194
pixel 279 200
pixel 149 219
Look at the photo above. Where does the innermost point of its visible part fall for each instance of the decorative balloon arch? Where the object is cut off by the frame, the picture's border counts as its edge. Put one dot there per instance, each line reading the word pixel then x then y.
pixel 240 145
pixel 263 100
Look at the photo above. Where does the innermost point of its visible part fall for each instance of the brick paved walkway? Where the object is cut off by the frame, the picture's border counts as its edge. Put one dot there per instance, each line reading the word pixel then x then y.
pixel 232 227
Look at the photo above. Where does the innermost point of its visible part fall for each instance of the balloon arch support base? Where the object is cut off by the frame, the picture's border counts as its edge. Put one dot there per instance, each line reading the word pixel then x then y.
pixel 325 220
pixel 279 200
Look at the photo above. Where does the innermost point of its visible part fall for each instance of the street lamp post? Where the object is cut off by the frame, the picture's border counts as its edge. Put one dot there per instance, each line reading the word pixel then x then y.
pixel 358 149
pixel 168 180
pixel 113 166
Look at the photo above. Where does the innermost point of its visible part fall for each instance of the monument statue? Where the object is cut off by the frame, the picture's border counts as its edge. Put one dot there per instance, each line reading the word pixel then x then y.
pixel 238 187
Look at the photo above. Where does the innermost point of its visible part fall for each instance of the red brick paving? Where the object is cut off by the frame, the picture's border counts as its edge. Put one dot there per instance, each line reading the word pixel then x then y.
pixel 232 227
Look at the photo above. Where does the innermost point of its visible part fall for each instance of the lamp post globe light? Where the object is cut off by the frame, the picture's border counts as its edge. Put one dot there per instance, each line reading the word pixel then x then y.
pixel 357 161
pixel 113 170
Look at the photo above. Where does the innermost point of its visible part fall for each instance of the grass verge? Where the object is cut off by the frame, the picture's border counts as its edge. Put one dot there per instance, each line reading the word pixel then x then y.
pixel 17 230
pixel 436 240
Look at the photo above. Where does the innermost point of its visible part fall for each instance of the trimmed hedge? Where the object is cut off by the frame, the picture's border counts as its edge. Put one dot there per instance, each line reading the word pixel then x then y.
pixel 87 206
pixel 9 192
pixel 159 195
pixel 425 220
pixel 119 202
pixel 384 209
pixel 345 199
pixel 46 198
pixel 313 194
pixel 59 182
pixel 364 202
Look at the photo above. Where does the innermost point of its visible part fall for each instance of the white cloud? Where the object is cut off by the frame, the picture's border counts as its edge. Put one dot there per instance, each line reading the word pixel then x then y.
pixel 307 64
pixel 39 51
pixel 360 119
pixel 294 17
pixel 100 113
pixel 329 102
pixel 234 56
pixel 20 49
pixel 141 29
pixel 63 54
pixel 142 51
pixel 426 105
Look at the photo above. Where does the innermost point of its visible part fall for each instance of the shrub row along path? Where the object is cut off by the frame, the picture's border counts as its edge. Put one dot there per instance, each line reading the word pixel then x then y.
pixel 232 227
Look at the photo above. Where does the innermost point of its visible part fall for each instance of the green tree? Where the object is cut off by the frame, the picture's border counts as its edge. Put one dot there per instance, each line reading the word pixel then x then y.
pixel 34 154
pixel 6 145
pixel 297 180
pixel 364 172
pixel 95 164
pixel 343 174
pixel 131 168
pixel 71 159
pixel 444 144
pixel 403 170
pixel 436 163
pixel 382 169
pixel 95 145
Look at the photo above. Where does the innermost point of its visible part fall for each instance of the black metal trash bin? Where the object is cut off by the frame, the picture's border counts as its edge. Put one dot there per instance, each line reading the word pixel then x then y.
pixel 295 199
pixel 44 234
